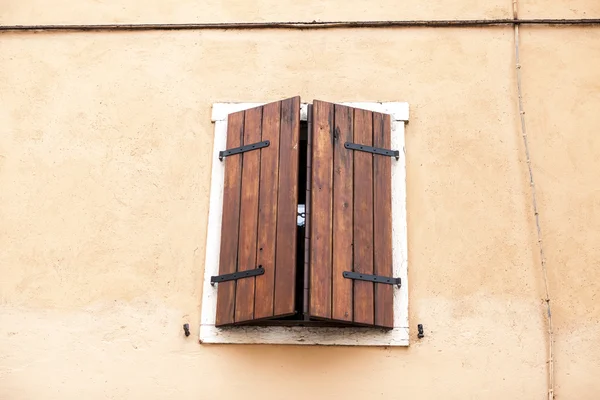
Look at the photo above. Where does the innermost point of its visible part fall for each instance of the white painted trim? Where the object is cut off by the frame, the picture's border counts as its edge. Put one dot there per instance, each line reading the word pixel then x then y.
pixel 301 335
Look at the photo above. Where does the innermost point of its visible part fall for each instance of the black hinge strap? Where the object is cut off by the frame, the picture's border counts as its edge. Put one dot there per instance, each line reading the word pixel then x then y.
pixel 374 150
pixel 238 150
pixel 237 275
pixel 372 278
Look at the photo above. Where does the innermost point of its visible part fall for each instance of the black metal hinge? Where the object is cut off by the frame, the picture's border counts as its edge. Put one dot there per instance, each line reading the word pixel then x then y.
pixel 237 275
pixel 243 149
pixel 372 278
pixel 374 150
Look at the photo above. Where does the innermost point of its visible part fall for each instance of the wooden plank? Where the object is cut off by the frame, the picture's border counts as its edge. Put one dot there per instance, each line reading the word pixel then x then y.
pixel 267 212
pixel 244 299
pixel 382 221
pixel 342 213
pixel 230 221
pixel 321 214
pixel 285 275
pixel 363 217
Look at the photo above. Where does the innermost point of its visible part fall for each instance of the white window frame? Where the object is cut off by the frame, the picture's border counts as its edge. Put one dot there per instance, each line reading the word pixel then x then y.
pixel 398 336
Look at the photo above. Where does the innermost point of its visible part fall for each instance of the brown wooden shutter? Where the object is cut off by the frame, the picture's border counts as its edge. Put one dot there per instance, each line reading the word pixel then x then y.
pixel 260 198
pixel 351 216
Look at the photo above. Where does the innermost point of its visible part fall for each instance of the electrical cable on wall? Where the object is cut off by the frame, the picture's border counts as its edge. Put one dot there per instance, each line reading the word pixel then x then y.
pixel 299 25
pixel 535 208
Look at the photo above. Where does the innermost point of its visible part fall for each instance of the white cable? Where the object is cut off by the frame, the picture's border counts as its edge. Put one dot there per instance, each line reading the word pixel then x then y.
pixel 535 211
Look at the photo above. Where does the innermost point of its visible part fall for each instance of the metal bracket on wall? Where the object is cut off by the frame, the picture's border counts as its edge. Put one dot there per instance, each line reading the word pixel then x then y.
pixel 242 149
pixel 375 150
pixel 237 275
pixel 372 278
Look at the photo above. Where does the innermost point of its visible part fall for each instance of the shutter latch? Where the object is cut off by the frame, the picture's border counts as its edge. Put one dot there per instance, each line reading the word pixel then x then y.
pixel 238 150
pixel 372 278
pixel 237 275
pixel 374 150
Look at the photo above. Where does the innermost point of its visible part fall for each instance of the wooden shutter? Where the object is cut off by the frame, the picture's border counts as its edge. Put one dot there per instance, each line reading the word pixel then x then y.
pixel 259 214
pixel 351 216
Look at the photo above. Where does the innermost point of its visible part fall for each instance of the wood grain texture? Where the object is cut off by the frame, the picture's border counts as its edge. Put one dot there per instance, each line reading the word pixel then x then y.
pixel 342 213
pixel 382 221
pixel 285 276
pixel 244 299
pixel 230 221
pixel 363 217
pixel 321 210
pixel 267 212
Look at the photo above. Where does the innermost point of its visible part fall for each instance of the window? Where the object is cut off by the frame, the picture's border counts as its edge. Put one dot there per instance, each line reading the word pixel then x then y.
pixel 303 247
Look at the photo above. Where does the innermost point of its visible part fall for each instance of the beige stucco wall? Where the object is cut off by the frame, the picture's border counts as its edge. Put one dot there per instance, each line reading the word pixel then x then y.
pixel 105 155
pixel 183 11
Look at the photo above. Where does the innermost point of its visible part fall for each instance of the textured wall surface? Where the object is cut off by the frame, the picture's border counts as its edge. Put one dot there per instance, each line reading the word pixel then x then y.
pixel 562 86
pixel 105 147
pixel 94 11
pixel 182 11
